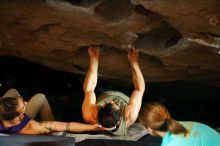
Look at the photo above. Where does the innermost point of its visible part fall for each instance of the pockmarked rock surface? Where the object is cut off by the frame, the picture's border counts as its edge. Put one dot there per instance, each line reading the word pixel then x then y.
pixel 178 40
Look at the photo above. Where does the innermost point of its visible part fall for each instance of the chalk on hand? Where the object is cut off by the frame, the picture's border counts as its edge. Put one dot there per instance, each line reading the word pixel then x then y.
pixel 129 46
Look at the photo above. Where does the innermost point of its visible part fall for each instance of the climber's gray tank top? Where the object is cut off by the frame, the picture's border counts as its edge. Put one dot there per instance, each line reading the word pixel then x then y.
pixel 119 99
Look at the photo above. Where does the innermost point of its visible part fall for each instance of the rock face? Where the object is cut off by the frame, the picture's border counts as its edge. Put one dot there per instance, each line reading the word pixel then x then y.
pixel 178 40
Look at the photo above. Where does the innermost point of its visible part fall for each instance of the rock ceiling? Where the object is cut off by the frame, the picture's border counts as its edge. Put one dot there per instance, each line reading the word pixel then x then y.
pixel 178 40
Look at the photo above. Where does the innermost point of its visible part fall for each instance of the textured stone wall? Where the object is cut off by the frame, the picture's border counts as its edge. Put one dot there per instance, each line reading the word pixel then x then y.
pixel 178 40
